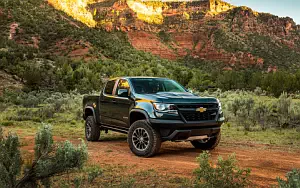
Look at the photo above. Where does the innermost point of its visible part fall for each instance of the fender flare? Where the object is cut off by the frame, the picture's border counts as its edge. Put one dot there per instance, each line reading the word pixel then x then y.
pixel 142 112
pixel 92 109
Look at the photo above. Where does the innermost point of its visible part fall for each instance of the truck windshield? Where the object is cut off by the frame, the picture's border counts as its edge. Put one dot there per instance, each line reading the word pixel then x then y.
pixel 155 85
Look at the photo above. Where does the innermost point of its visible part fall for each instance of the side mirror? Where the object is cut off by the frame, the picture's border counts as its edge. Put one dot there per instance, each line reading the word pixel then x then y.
pixel 123 93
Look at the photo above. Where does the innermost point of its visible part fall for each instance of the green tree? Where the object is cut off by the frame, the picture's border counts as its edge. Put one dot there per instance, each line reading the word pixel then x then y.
pixel 200 81
pixel 49 160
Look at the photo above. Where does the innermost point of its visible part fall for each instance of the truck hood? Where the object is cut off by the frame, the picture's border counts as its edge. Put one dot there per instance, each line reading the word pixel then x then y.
pixel 176 98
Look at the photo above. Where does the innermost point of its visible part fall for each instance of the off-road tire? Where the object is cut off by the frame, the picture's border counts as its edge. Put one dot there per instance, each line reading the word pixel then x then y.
pixel 154 139
pixel 94 134
pixel 209 145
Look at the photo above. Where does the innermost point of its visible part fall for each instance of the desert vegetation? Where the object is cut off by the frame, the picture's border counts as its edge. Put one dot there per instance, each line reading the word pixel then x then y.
pixel 50 66
pixel 226 173
pixel 259 107
pixel 54 164
pixel 48 161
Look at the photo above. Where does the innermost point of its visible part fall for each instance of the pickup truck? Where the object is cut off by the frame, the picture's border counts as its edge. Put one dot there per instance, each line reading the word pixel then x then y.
pixel 151 111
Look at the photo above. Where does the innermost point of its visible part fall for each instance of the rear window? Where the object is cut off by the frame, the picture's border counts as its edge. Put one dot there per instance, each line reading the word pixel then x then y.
pixel 109 87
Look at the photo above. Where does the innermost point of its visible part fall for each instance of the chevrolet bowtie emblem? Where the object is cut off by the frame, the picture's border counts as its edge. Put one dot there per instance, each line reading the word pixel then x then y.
pixel 201 109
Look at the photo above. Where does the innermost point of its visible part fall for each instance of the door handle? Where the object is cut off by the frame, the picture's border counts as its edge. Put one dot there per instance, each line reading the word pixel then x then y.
pixel 114 101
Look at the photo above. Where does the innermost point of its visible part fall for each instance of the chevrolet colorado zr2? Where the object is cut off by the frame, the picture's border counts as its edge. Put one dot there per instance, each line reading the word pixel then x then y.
pixel 151 111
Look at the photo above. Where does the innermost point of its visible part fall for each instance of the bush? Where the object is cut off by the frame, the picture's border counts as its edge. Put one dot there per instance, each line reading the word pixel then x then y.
pixel 164 36
pixel 242 108
pixel 23 115
pixel 235 105
pixel 42 105
pixel 226 174
pixel 49 160
pixel 295 114
pixel 46 112
pixel 261 112
pixel 293 180
pixel 10 160
pixel 37 115
pixel 283 109
pixel 258 91
pixel 93 173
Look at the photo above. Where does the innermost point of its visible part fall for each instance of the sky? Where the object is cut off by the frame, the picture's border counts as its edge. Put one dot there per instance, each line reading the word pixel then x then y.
pixel 282 8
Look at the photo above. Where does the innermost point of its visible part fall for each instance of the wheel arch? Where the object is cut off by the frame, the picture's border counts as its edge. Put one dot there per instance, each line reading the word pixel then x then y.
pixel 138 114
pixel 89 111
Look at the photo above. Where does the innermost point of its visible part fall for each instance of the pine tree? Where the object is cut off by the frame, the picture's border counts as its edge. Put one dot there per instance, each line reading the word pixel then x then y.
pixel 49 160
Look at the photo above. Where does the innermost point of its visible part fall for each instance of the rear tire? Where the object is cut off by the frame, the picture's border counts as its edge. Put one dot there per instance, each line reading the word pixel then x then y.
pixel 92 130
pixel 209 145
pixel 143 139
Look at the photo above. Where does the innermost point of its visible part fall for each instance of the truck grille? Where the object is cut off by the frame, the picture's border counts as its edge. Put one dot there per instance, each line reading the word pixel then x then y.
pixel 195 106
pixel 197 116
pixel 189 112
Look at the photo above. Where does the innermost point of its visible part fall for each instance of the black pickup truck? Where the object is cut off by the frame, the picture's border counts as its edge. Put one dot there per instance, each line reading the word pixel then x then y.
pixel 151 111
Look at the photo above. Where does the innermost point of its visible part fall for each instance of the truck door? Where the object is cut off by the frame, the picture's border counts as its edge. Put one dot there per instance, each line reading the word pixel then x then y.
pixel 107 103
pixel 122 105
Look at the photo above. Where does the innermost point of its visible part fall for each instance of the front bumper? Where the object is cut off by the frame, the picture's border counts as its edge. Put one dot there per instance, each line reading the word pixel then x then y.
pixel 180 130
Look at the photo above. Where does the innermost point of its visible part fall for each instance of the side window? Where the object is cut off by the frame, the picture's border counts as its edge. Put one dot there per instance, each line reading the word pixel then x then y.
pixel 123 88
pixel 109 87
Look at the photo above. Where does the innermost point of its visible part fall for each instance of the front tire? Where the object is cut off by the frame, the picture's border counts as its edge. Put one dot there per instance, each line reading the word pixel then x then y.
pixel 143 140
pixel 92 130
pixel 209 145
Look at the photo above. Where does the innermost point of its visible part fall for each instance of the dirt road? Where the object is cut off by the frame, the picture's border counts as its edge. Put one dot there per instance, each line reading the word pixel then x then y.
pixel 180 158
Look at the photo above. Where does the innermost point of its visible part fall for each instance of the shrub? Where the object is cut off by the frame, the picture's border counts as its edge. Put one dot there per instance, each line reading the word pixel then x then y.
pixel 127 183
pixel 46 112
pixel 242 108
pixel 10 160
pixel 283 109
pixel 3 106
pixel 49 160
pixel 38 115
pixel 234 105
pixel 258 91
pixel 248 102
pixel 6 123
pixel 226 174
pixel 164 36
pixel 93 173
pixel 261 112
pixel 293 180
pixel 23 115
pixel 295 114
pixel 30 101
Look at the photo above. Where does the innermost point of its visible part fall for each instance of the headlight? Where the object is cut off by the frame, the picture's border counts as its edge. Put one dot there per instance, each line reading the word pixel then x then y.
pixel 167 108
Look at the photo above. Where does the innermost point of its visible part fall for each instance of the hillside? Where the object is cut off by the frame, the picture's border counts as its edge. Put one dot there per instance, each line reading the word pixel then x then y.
pixel 194 43
pixel 210 30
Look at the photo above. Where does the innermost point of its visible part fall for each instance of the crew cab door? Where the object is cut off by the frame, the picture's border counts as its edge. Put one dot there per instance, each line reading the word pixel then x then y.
pixel 107 101
pixel 122 104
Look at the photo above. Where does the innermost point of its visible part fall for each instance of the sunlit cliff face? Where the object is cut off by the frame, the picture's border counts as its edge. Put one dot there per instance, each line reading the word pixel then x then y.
pixel 150 14
pixel 150 11
pixel 77 9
